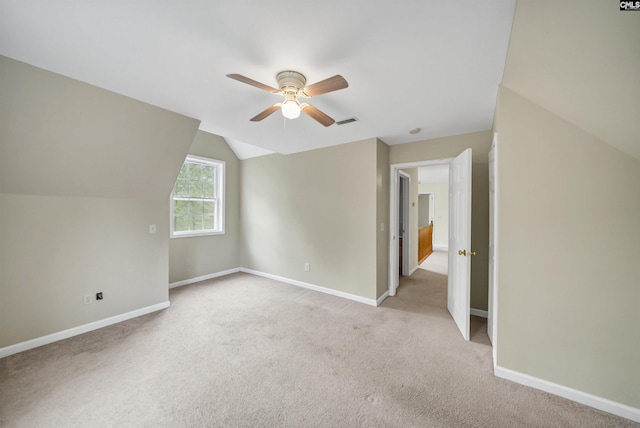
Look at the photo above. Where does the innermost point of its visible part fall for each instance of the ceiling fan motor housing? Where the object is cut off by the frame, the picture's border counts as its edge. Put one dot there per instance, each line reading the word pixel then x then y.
pixel 291 81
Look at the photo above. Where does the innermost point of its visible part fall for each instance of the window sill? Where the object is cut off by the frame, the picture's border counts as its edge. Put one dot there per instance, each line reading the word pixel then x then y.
pixel 192 235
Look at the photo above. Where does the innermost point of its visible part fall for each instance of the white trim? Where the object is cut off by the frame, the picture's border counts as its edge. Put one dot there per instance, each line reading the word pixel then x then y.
pixel 416 164
pixel 581 397
pixel 313 287
pixel 381 298
pixel 479 313
pixel 441 248
pixel 219 228
pixel 494 254
pixel 203 278
pixel 404 181
pixel 412 271
pixel 65 334
pixel 393 232
pixel 193 234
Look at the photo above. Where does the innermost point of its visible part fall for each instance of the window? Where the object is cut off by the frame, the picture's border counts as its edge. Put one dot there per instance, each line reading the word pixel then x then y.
pixel 197 200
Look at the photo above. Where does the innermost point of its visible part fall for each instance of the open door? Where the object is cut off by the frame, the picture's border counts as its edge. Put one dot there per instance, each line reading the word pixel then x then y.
pixel 459 283
pixel 399 219
pixel 403 228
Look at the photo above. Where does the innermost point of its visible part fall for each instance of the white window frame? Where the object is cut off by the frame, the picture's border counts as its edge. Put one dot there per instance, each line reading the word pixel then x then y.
pixel 220 206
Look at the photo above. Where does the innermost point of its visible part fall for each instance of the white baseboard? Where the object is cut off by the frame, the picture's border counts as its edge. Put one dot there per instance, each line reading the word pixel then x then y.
pixel 381 298
pixel 413 270
pixel 313 287
pixel 581 397
pixel 440 248
pixel 203 277
pixel 65 334
pixel 479 313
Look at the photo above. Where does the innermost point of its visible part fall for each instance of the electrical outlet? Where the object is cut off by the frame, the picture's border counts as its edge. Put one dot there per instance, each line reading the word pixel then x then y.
pixel 99 296
pixel 88 299
pixel 307 267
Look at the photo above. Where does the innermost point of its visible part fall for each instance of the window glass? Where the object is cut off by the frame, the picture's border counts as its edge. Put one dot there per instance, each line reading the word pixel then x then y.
pixel 197 200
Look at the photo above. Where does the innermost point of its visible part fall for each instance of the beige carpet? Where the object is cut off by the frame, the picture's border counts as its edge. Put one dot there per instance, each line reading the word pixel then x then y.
pixel 243 351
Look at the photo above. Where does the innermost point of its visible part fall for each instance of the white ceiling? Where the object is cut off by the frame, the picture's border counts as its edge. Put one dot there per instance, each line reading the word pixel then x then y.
pixel 429 64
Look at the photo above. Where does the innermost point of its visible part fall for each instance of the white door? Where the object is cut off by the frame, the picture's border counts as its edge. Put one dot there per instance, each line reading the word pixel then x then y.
pixel 492 323
pixel 399 207
pixel 459 284
pixel 405 186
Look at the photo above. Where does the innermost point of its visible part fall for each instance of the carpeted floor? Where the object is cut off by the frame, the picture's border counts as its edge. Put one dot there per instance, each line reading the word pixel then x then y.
pixel 244 351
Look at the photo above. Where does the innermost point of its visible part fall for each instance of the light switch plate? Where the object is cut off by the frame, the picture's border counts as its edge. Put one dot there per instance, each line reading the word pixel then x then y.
pixel 152 228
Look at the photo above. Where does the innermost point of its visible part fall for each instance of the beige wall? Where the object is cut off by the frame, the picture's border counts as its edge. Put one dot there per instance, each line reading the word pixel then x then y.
pixel 63 137
pixel 382 218
pixel 423 211
pixel 579 59
pixel 568 280
pixel 441 211
pixel 449 147
pixel 198 256
pixel 83 173
pixel 318 207
pixel 443 148
pixel 57 249
pixel 570 88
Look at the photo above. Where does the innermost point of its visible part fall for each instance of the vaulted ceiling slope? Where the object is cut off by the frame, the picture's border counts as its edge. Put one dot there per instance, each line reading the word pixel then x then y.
pixel 62 137
pixel 434 65
pixel 580 60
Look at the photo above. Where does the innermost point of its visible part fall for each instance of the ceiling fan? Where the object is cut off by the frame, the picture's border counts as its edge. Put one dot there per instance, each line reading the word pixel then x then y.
pixel 292 87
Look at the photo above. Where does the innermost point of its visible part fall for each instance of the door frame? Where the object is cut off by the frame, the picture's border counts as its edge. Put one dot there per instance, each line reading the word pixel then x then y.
pixel 394 170
pixel 492 318
pixel 404 181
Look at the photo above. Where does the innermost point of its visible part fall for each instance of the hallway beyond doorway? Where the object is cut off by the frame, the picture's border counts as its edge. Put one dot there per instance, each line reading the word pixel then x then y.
pixel 437 262
pixel 433 289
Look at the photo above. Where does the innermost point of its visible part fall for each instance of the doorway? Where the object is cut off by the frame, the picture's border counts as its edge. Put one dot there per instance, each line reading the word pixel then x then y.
pixel 459 265
pixel 400 198
pixel 425 223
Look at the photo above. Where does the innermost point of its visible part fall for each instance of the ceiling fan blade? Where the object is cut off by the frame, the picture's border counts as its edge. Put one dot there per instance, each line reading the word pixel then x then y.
pixel 316 114
pixel 268 111
pixel 243 79
pixel 327 85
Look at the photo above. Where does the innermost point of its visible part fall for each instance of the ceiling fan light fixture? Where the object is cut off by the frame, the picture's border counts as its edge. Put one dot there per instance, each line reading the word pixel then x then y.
pixel 292 86
pixel 291 109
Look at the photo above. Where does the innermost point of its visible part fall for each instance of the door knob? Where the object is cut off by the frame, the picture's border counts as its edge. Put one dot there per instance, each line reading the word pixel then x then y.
pixel 464 253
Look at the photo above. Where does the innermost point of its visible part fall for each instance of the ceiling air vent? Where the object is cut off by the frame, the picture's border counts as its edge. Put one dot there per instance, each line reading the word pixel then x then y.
pixel 345 121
